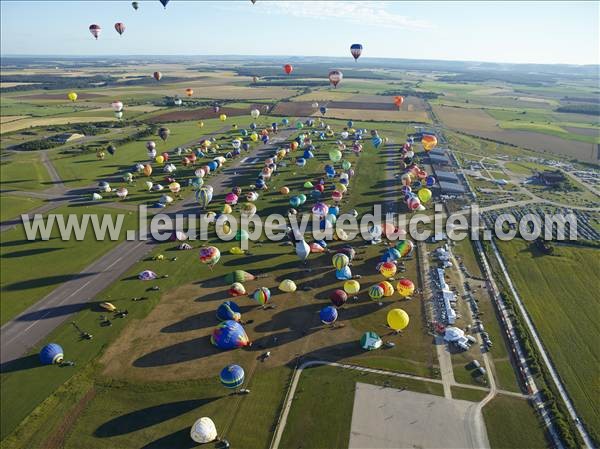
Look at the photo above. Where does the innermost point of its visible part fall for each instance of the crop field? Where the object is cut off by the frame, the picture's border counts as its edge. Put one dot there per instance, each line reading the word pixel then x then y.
pixel 369 114
pixel 48 121
pixel 558 294
pixel 477 122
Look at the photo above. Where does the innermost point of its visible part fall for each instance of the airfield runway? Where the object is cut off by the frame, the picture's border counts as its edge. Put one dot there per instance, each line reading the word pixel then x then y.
pixel 392 418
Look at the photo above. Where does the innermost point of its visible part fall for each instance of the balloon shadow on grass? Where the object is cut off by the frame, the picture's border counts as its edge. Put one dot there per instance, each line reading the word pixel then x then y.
pixel 53 312
pixel 178 353
pixel 198 321
pixel 180 440
pixel 148 417
pixel 22 363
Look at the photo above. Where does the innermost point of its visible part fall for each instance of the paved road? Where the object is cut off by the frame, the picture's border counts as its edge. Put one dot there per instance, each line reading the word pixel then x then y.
pixel 35 323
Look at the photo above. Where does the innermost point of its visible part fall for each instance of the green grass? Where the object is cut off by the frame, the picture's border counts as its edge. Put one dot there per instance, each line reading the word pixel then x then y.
pixel 468 394
pixel 11 106
pixel 512 423
pixel 328 424
pixel 49 263
pixel 560 294
pixel 23 171
pixel 14 206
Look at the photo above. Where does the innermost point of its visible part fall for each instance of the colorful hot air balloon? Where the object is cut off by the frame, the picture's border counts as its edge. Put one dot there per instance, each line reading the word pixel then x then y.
pixel 232 376
pixel 262 295
pixel 238 276
pixel 388 289
pixel 229 310
pixel 210 255
pixel 189 92
pixel 335 76
pixel 204 196
pixel 429 142
pixel 72 96
pixel 356 50
pixel 120 27
pixel 328 315
pixel 405 287
pixel 340 260
pixel 95 30
pixel 387 269
pixel 398 100
pixel 157 76
pixel 229 335
pixel 288 69
pixel 117 106
pixel 338 297
pixel 376 292
pixel 397 319
pixel 52 353
pixel 405 247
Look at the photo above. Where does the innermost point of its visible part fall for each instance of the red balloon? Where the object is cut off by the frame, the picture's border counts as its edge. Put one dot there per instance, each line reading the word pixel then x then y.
pixel 120 27
pixel 338 297
pixel 288 68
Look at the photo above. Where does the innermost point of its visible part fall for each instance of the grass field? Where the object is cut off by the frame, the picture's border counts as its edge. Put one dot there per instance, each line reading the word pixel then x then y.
pixel 559 294
pixel 506 419
pixel 47 121
pixel 23 171
pixel 333 390
pixel 366 114
pixel 49 262
pixel 13 206
pixel 468 394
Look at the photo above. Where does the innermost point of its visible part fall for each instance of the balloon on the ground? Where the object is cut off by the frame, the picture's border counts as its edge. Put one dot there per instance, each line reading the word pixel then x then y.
pixel 397 319
pixel 229 335
pixel 232 376
pixel 340 260
pixel 52 353
pixel 157 76
pixel 204 430
pixel 287 285
pixel 210 255
pixel 405 287
pixel 429 142
pixel 338 297
pixel 328 315
pixel 343 274
pixel 238 276
pixel 352 287
pixel 388 288
pixel 262 295
pixel 405 247
pixel 370 341
pixel 229 310
pixel 376 292
pixel 387 269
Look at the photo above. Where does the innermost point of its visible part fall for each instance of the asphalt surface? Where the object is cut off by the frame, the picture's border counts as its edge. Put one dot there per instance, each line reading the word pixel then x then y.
pixel 19 335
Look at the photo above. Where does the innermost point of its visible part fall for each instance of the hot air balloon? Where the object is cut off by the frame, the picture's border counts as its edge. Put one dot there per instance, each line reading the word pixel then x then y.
pixel 117 106
pixel 262 295
pixel 163 133
pixel 328 315
pixel 229 310
pixel 135 5
pixel 405 287
pixel 238 276
pixel 287 286
pixel 429 142
pixel 111 149
pixel 343 274
pixel 210 255
pixel 189 92
pixel 398 100
pixel 72 96
pixel 338 297
pixel 204 196
pixel 157 76
pixel 323 110
pixel 232 376
pixel 229 335
pixel 203 430
pixel 387 269
pixel 351 287
pixel 376 292
pixel 388 289
pixel 335 76
pixel 254 113
pixel 95 30
pixel 222 117
pixel 52 353
pixel 405 247
pixel 164 3
pixel 356 50
pixel 424 195
pixel 147 169
pixel 397 319
pixel 120 27
pixel 288 69
pixel 340 260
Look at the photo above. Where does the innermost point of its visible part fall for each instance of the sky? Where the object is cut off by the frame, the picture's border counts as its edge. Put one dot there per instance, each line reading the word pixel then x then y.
pixel 518 32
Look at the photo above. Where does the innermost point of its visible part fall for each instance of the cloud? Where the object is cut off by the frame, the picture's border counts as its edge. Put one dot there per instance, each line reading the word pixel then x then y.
pixel 365 13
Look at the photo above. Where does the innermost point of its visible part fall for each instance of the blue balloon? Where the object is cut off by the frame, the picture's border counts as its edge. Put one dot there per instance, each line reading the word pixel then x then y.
pixel 229 310
pixel 391 255
pixel 308 154
pixel 213 165
pixel 295 201
pixel 343 274
pixel 301 162
pixel 199 153
pixel 51 353
pixel 376 141
pixel 316 195
pixel 322 136
pixel 246 146
pixel 285 122
pixel 244 132
pixel 328 315
pixel 323 110
pixel 265 139
pixel 322 243
pixel 350 123
pixel 232 376
pixel 260 184
pixel 334 210
pixel 229 335
pixel 430 181
pixel 253 126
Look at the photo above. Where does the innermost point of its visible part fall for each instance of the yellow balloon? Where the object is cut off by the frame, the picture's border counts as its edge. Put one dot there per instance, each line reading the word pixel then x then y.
pixel 424 195
pixel 72 96
pixel 147 169
pixel 200 124
pixel 253 137
pixel 288 286
pixel 351 287
pixel 236 250
pixel 159 159
pixel 227 209
pixel 222 117
pixel 388 289
pixel 397 319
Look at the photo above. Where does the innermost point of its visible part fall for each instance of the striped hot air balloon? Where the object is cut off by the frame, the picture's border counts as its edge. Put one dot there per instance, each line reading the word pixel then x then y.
pixel 232 376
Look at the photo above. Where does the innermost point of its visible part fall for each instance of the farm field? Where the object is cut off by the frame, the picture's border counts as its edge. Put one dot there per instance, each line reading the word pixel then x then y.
pixel 556 292
pixel 23 171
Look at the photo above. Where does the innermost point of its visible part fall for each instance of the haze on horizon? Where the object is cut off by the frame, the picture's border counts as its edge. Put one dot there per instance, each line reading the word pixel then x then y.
pixel 511 32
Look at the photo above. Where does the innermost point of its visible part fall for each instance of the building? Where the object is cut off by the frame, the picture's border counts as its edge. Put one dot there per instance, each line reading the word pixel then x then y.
pixel 456 336
pixel 439 156
pixel 451 187
pixel 551 177
pixel 67 137
pixel 449 176
pixel 448 298
pixel 441 280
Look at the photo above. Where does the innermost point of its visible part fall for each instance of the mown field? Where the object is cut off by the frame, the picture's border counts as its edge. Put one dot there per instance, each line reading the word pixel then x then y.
pixel 560 294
